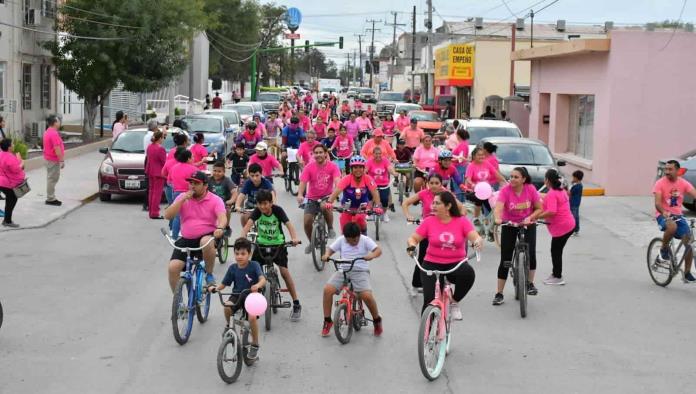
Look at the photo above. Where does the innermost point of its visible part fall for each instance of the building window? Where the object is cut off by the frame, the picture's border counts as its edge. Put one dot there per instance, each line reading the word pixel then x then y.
pixel 46 86
pixel 26 86
pixel 581 126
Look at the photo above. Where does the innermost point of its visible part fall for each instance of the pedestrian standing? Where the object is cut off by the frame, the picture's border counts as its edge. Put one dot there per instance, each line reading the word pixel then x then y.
pixel 11 176
pixel 2 129
pixel 118 126
pixel 156 157
pixel 152 126
pixel 54 155
pixel 217 101
pixel 236 96
pixel 575 198
pixel 207 102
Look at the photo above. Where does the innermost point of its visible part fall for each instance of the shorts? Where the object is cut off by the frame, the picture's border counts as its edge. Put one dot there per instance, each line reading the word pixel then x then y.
pixel 281 258
pixel 312 207
pixel 360 219
pixel 384 192
pixel 188 243
pixel 420 174
pixel 359 279
pixel 682 226
pixel 234 298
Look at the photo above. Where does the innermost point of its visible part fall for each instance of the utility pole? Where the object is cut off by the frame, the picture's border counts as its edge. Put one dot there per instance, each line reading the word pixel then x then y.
pixel 393 50
pixel 372 47
pixel 531 35
pixel 429 52
pixel 354 77
pixel 413 55
pixel 360 36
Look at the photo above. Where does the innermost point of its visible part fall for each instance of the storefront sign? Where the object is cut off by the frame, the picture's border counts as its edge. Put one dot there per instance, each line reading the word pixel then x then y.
pixel 454 65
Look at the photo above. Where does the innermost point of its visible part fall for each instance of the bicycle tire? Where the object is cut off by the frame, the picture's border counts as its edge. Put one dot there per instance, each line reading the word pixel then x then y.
pixel 513 274
pixel 318 245
pixel 341 321
pixel 294 179
pixel 223 357
pixel 400 187
pixel 430 320
pixel 357 315
pixel 181 335
pixel 522 280
pixel 377 220
pixel 655 266
pixel 223 250
pixel 245 349
pixel 1 314
pixel 268 315
pixel 276 300
pixel 203 310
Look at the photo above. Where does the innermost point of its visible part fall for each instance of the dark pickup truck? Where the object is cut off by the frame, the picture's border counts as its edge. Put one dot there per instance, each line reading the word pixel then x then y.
pixel 440 103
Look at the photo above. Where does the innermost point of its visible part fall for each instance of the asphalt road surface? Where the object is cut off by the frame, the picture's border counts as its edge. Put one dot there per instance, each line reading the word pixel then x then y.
pixel 87 310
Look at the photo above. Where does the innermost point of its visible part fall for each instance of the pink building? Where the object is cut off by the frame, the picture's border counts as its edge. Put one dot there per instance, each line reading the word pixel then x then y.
pixel 613 107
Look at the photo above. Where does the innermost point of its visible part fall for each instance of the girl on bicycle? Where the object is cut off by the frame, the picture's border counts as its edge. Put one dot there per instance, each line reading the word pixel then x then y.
pixel 480 170
pixel 379 169
pixel 388 126
pixel 516 202
pixel 447 232
pixel 343 147
pixel 334 123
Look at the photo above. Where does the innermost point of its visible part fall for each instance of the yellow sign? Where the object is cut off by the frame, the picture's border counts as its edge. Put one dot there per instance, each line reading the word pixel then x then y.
pixel 454 65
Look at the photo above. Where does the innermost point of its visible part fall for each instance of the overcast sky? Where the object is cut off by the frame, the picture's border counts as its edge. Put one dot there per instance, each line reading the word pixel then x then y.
pixel 326 20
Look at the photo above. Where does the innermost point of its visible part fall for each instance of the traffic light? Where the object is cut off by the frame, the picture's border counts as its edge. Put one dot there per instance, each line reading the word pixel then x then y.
pixel 340 42
pixel 306 46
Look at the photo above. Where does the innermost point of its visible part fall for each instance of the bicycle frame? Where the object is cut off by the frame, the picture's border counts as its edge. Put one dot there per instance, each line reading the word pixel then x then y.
pixel 348 295
pixel 194 268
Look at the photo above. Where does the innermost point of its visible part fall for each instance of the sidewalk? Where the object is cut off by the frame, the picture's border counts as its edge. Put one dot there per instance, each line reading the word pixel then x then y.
pixel 78 184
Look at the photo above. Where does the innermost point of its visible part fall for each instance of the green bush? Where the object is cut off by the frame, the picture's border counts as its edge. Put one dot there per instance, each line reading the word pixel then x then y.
pixel 21 147
pixel 178 112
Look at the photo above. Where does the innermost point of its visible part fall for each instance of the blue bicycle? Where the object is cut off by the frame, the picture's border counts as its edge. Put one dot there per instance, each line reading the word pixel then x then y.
pixel 190 295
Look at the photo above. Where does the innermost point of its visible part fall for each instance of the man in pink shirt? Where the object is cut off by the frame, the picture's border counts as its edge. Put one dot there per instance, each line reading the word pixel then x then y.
pixel 352 127
pixel 54 154
pixel 412 135
pixel 378 140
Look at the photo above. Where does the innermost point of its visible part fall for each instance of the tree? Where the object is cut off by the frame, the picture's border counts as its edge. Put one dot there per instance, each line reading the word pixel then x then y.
pixel 669 24
pixel 145 46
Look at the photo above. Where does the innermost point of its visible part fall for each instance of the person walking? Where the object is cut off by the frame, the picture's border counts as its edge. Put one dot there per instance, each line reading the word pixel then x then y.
pixel 119 125
pixel 217 101
pixel 11 176
pixel 54 155
pixel 156 157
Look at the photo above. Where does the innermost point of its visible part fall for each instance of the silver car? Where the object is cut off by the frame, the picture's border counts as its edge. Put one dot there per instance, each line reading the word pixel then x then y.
pixel 687 161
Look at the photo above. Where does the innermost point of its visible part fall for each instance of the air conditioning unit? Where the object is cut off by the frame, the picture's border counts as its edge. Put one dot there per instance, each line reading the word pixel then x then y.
pixel 478 23
pixel 519 24
pixel 34 17
pixel 561 25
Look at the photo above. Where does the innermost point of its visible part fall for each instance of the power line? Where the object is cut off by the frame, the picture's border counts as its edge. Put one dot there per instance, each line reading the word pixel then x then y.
pixel 63 14
pixel 229 58
pixel 99 22
pixel 62 34
pixel 220 37
pixel 509 9
pixel 676 26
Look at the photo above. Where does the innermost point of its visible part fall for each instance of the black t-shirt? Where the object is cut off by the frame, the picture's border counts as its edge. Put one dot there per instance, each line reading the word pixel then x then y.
pixel 270 228
pixel 239 163
pixel 222 189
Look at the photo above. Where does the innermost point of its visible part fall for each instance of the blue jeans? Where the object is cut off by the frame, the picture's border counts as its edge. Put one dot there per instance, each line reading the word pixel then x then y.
pixel 457 190
pixel 576 214
pixel 168 193
pixel 175 223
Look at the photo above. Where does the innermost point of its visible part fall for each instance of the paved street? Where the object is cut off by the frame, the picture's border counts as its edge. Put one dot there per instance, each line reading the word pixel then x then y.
pixel 87 308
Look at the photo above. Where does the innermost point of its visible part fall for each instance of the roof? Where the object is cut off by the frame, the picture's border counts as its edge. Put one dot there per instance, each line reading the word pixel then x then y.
pixel 490 123
pixel 572 47
pixel 513 140
pixel 542 31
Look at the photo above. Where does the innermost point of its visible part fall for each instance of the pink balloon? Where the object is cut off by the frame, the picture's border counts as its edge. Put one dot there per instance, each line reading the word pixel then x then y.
pixel 255 304
pixel 483 190
pixel 493 199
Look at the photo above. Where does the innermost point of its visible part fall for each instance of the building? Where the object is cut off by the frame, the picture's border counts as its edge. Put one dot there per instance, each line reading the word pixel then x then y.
pixel 613 107
pixel 27 83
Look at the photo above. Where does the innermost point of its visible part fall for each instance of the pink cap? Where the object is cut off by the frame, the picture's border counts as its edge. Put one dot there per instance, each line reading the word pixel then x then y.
pixel 378 133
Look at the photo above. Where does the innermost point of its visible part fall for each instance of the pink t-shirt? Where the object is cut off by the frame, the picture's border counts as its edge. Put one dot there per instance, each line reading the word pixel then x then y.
pixel 479 172
pixel 412 137
pixel 319 179
pixel 305 151
pixel 364 123
pixel 51 140
pixel 562 221
pixel 461 150
pixel 672 194
pixel 493 179
pixel 320 129
pixel 425 158
pixel 403 123
pixel 118 129
pixel 388 127
pixel 178 173
pixel 199 152
pixel 379 171
pixel 11 173
pixel 267 164
pixel 199 217
pixel 335 124
pixel 305 123
pixel 446 241
pixel 352 128
pixel 516 208
pixel 344 146
pixel 452 141
pixel 426 197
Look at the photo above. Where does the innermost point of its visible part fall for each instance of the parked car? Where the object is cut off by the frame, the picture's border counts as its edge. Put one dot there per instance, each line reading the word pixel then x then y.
pixel 387 102
pixel 245 110
pixel 258 109
pixel 440 103
pixel 122 171
pixel 352 93
pixel 231 116
pixel 408 107
pixel 219 137
pixel 367 95
pixel 532 154
pixel 687 161
pixel 481 128
pixel 270 101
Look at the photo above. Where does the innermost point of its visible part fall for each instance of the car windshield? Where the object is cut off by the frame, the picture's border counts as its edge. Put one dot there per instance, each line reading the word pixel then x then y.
pixel 524 154
pixel 203 125
pixel 242 109
pixel 407 108
pixel 478 133
pixel 257 107
pixel 129 142
pixel 169 142
pixel 366 90
pixel 230 116
pixel 268 97
pixel 688 155
pixel 425 116
pixel 331 90
pixel 391 96
pixel 442 100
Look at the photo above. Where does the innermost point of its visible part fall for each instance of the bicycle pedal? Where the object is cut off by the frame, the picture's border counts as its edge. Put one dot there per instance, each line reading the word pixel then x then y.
pixel 287 304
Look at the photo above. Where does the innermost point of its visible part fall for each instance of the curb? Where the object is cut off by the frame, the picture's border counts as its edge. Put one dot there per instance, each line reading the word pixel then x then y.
pixel 83 202
pixel 592 192
pixel 38 162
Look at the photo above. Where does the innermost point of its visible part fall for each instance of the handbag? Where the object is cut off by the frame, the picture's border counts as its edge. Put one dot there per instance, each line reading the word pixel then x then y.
pixel 21 189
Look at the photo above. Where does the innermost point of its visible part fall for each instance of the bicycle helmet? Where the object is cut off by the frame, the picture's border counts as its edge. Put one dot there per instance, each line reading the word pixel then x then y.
pixel 261 146
pixel 295 120
pixel 444 154
pixel 357 161
pixel 251 125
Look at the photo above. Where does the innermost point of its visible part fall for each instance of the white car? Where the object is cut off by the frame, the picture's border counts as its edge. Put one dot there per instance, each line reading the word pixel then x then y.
pixel 408 107
pixel 484 128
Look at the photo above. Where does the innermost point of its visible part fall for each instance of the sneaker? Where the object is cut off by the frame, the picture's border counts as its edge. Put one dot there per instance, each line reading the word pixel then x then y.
pixel 498 299
pixel 455 311
pixel 664 255
pixel 378 327
pixel 689 278
pixel 332 233
pixel 253 352
pixel 296 312
pixel 552 280
pixel 308 249
pixel 54 202
pixel 209 280
pixel 326 329
pixel 391 208
pixel 531 289
pixel 10 225
pixel 385 218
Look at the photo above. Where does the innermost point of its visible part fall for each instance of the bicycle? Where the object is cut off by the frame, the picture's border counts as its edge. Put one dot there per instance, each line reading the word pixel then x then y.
pixel 272 291
pixel 235 341
pixel 519 265
pixel 192 286
pixel 361 210
pixel 403 182
pixel 669 269
pixel 377 219
pixel 1 315
pixel 435 332
pixel 292 172
pixel 320 234
pixel 222 246
pixel 350 312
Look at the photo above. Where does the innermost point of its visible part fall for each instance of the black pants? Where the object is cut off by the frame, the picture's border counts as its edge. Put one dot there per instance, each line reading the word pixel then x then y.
pixel 422 247
pixel 472 197
pixel 557 245
pixel 10 202
pixel 462 279
pixel 508 237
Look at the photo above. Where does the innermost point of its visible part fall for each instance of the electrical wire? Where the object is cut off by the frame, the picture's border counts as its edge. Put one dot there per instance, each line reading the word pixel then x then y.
pixel 230 43
pixel 509 9
pixel 229 58
pixel 62 34
pixel 676 26
pixel 56 5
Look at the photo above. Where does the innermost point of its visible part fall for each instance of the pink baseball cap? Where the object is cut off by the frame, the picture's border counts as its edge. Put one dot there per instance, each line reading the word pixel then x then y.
pixel 378 133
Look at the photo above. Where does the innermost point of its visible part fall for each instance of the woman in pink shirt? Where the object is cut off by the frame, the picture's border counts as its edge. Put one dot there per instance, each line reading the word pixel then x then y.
pixel 335 123
pixel 11 176
pixel 379 169
pixel 490 148
pixel 342 148
pixel 480 170
pixel 403 122
pixel 516 203
pixel 388 126
pixel 447 232
pixel 304 152
pixel 200 154
pixel 260 126
pixel 460 154
pixel 320 128
pixel 156 157
pixel 118 126
pixel 179 174
pixel 560 223
pixel 424 159
pixel 324 113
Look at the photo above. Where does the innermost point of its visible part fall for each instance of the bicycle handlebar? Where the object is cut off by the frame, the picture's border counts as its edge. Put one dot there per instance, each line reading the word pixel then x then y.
pixel 414 221
pixel 222 300
pixel 337 262
pixel 437 272
pixel 165 232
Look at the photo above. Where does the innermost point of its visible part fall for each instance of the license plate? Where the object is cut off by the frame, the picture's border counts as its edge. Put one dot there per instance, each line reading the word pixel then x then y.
pixel 132 184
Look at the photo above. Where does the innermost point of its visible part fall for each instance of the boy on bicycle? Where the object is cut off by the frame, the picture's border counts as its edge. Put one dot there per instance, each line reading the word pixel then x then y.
pixel 269 219
pixel 238 160
pixel 352 245
pixel 223 187
pixel 246 274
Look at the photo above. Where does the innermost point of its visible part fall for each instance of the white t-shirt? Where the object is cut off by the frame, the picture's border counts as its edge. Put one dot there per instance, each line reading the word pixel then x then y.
pixel 350 252
pixel 147 140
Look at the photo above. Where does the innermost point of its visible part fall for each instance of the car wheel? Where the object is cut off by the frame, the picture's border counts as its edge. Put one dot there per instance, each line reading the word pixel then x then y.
pixel 104 197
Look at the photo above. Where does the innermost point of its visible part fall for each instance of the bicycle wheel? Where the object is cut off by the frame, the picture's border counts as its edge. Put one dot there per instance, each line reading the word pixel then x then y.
pixel 431 349
pixel 223 250
pixel 358 313
pixel 318 244
pixel 202 299
pixel 1 315
pixel 268 293
pixel 660 272
pixel 342 324
pixel 401 186
pixel 377 220
pixel 245 349
pixel 229 357
pixel 522 280
pixel 182 313
pixel 294 178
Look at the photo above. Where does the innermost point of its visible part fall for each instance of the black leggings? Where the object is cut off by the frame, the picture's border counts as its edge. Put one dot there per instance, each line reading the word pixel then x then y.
pixel 472 197
pixel 557 245
pixel 10 202
pixel 422 247
pixel 508 237
pixel 462 279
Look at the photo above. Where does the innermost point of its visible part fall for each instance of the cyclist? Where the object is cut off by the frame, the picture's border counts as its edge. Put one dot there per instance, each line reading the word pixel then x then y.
pixel 223 187
pixel 238 161
pixel 424 159
pixel 357 188
pixel 402 152
pixel 343 147
pixel 292 136
pixel 330 137
pixel 379 169
pixel 177 173
pixel 352 245
pixel 269 219
pixel 357 105
pixel 450 177
pixel 246 274
pixel 345 110
pixel 489 149
pixel 250 137
pixel 202 216
pixel 413 135
pixel 352 127
pixel 324 113
pixel 320 128
pixel 516 202
pixel 480 170
pixel 304 121
pixel 274 127
pixel 180 141
pixel 403 122
pixel 461 153
pixel 364 126
pixel 266 161
pixel 377 140
pixel 249 189
pixel 335 123
pixel 388 126
pixel 319 178
pixel 304 153
pixel 669 194
pixel 260 125
pixel 447 232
